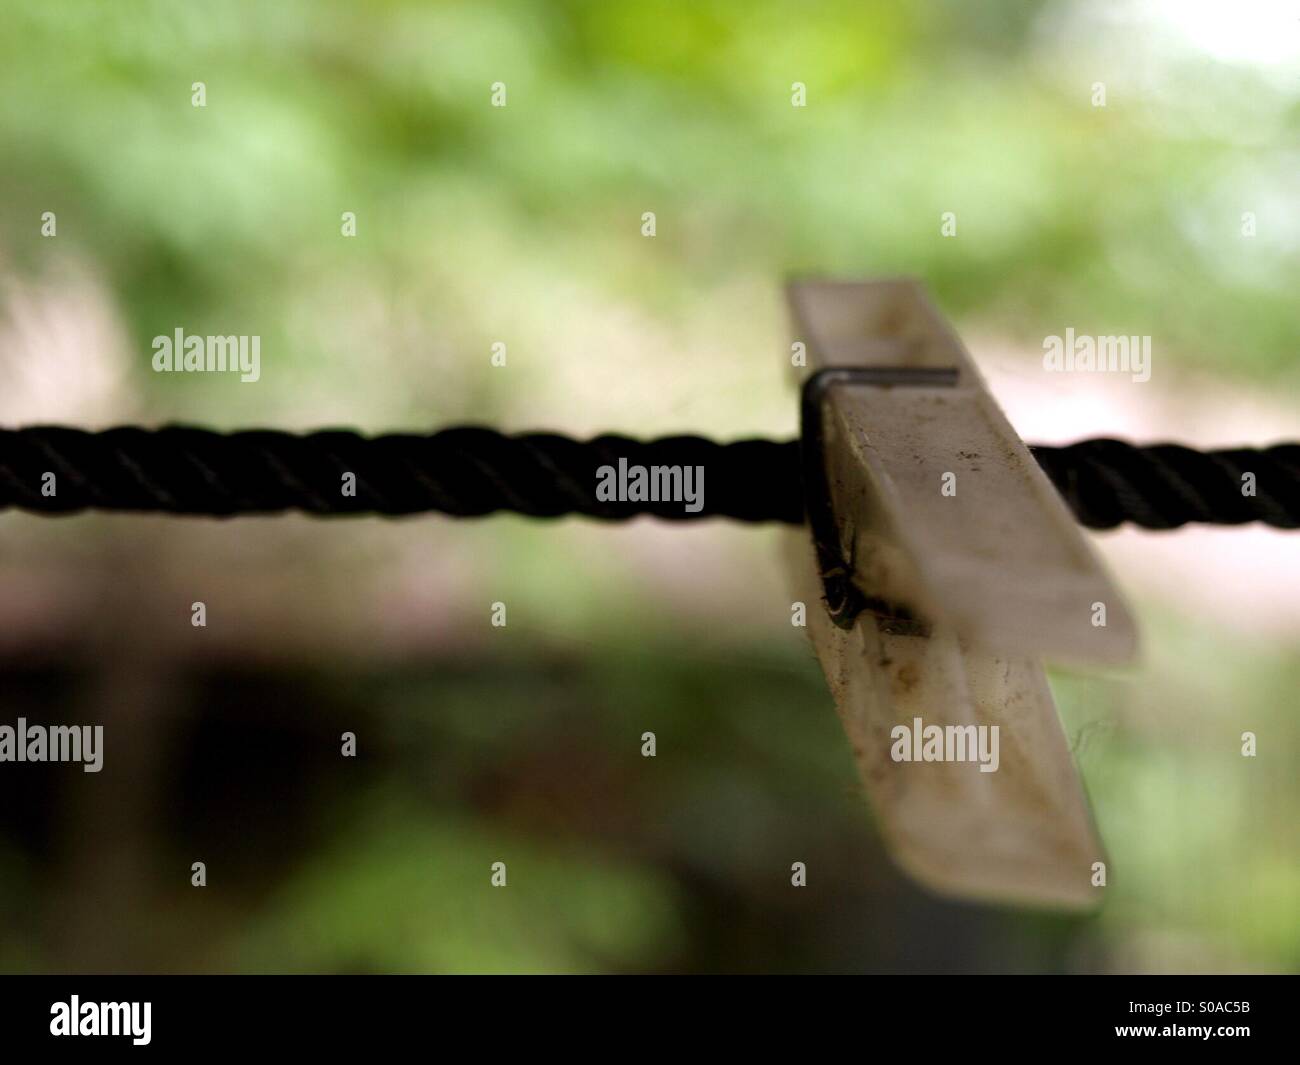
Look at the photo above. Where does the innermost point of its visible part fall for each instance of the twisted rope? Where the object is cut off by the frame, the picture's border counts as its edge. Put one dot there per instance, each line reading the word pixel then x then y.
pixel 468 472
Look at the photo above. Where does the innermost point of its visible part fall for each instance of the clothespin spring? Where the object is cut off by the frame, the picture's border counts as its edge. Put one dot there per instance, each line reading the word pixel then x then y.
pixel 845 601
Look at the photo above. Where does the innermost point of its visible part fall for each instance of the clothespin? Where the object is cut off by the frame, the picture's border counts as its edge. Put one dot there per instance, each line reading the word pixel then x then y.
pixel 945 567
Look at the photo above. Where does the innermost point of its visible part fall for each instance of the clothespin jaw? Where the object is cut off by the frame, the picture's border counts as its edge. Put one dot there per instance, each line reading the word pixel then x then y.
pixel 945 565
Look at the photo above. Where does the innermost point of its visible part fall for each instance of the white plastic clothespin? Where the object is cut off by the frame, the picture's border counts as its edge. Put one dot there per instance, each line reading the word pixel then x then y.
pixel 945 566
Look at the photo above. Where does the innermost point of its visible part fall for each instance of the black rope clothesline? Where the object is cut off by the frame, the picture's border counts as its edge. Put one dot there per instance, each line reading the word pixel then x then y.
pixel 470 471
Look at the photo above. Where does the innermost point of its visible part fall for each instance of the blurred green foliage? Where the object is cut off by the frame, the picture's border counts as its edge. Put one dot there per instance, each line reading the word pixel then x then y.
pixel 1118 219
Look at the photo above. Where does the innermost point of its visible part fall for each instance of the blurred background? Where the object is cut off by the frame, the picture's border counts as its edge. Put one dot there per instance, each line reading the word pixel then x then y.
pixel 521 225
